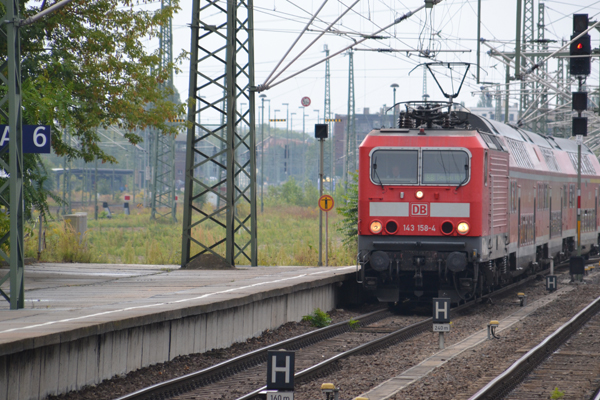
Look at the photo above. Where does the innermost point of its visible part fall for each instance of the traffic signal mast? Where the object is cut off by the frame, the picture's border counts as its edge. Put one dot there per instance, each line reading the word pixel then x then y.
pixel 580 52
pixel 580 49
pixel 579 66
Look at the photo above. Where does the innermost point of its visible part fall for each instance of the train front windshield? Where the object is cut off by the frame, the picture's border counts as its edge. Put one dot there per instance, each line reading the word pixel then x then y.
pixel 445 167
pixel 395 167
pixel 401 167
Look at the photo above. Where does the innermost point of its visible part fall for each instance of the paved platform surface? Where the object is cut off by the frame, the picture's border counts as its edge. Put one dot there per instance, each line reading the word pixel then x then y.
pixel 66 297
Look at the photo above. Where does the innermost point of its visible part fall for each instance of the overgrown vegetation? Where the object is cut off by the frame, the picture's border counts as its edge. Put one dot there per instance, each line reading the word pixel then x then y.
pixel 292 193
pixel 557 394
pixel 354 324
pixel 318 318
pixel 86 66
pixel 287 235
pixel 63 244
pixel 348 209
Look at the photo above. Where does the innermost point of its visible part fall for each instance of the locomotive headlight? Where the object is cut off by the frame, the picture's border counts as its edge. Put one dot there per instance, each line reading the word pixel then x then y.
pixel 419 194
pixel 376 227
pixel 462 228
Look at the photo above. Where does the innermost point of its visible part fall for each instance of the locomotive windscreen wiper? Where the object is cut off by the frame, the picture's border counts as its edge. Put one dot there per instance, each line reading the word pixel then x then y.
pixel 376 174
pixel 466 177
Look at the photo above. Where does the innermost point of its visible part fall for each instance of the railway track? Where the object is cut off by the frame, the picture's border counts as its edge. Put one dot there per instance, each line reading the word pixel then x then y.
pixel 246 370
pixel 203 378
pixel 563 367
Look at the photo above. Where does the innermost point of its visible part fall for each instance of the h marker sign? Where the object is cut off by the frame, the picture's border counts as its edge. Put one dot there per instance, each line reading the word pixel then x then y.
pixel 280 370
pixel 36 138
pixel 441 310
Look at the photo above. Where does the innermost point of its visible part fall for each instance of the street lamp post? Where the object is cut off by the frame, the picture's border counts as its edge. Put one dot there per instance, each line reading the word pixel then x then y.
pixel 289 148
pixel 273 154
pixel 318 116
pixel 286 152
pixel 262 151
pixel 395 121
pixel 303 123
pixel 287 119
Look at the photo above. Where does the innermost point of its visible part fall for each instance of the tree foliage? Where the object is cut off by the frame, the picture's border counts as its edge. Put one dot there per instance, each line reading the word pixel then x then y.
pixel 348 209
pixel 86 66
pixel 291 193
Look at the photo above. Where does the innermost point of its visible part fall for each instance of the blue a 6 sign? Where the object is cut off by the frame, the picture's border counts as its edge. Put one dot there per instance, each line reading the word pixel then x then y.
pixel 36 138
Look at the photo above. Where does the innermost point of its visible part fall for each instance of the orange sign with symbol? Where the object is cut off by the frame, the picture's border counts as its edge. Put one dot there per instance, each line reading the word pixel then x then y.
pixel 326 202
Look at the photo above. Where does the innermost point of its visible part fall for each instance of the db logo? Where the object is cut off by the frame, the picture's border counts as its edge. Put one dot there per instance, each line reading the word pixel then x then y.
pixel 418 209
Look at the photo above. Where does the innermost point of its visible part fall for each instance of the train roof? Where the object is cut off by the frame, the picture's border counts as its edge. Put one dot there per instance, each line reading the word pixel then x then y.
pixel 446 117
pixel 486 125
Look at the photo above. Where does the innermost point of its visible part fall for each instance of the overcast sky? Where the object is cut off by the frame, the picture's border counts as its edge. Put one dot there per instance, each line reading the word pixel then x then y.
pixel 449 26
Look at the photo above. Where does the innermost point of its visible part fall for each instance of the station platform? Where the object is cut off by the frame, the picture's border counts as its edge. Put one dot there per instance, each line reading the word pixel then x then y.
pixel 83 323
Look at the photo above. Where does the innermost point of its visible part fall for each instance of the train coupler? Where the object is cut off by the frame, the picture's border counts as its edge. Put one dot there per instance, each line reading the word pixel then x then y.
pixel 418 278
pixel 466 283
pixel 370 283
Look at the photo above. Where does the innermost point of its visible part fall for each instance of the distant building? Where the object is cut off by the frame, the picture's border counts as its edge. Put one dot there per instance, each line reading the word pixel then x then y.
pixel 490 113
pixel 365 122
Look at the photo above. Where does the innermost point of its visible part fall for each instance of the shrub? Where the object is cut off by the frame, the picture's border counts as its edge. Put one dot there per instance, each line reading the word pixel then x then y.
pixel 318 318
pixel 354 323
pixel 63 245
pixel 348 209
pixel 557 394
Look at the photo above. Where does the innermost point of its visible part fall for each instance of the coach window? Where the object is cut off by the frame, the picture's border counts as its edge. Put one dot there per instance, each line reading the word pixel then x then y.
pixel 485 168
pixel 445 167
pixel 398 167
pixel 571 196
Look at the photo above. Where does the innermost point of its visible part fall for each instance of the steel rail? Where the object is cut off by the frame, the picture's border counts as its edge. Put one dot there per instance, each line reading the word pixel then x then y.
pixel 507 381
pixel 189 382
pixel 403 334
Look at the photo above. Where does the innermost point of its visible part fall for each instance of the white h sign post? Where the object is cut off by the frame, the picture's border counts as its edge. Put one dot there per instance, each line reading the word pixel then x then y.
pixel 280 375
pixel 441 317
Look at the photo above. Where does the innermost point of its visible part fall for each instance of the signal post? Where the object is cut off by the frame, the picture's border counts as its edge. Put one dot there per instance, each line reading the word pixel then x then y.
pixel 579 66
pixel 321 133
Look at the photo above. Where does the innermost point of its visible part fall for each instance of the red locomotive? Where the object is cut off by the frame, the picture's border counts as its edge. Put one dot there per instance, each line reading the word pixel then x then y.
pixel 452 204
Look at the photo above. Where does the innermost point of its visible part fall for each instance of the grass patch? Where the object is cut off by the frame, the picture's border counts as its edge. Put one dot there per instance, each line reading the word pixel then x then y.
pixel 287 235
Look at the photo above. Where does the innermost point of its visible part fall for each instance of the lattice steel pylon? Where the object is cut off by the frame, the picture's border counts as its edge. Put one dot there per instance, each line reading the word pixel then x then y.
pixel 542 72
pixel 329 155
pixel 350 161
pixel 222 40
pixel 498 106
pixel 11 192
pixel 163 146
pixel 527 45
pixel 560 128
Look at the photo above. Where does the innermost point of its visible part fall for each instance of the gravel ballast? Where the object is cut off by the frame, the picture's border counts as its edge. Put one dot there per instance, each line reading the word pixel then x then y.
pixel 458 378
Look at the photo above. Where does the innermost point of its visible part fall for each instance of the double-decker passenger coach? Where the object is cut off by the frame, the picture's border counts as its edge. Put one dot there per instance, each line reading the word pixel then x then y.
pixel 452 204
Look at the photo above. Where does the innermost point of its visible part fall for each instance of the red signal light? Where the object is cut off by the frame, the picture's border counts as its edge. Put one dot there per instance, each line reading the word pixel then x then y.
pixel 579 46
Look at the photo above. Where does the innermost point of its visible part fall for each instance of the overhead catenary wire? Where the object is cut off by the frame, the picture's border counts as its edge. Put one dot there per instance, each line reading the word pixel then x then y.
pixel 268 80
pixel 396 21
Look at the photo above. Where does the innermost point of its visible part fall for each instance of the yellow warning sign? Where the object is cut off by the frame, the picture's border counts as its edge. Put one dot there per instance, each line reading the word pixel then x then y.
pixel 326 202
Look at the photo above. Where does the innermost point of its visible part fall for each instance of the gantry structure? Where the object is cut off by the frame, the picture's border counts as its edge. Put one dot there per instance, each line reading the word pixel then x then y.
pixel 163 146
pixel 545 96
pixel 11 157
pixel 221 78
pixel 329 153
pixel 350 159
